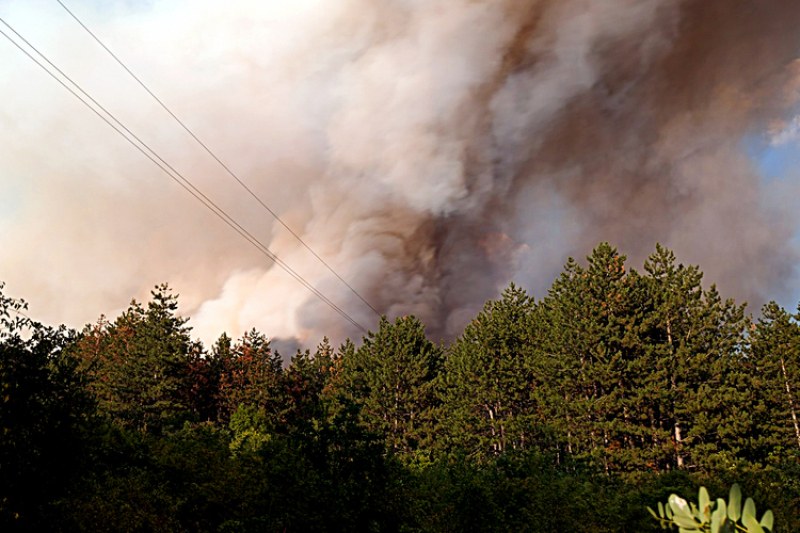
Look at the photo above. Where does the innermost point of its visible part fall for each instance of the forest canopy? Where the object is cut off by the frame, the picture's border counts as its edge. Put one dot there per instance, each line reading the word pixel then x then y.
pixel 571 412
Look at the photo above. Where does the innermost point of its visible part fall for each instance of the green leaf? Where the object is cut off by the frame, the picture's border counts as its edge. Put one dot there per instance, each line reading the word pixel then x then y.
pixel 767 521
pixel 735 503
pixel 679 506
pixel 749 508
pixel 704 505
pixel 685 521
pixel 751 523
pixel 661 510
pixel 718 516
pixel 653 513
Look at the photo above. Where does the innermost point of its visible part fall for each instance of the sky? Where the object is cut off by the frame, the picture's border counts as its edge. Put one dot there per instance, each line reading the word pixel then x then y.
pixel 429 151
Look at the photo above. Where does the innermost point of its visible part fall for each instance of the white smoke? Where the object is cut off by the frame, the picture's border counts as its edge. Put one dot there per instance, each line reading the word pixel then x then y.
pixel 430 151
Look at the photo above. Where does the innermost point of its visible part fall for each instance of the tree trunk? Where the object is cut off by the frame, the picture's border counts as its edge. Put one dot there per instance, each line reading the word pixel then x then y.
pixel 791 402
pixel 676 428
pixel 678 440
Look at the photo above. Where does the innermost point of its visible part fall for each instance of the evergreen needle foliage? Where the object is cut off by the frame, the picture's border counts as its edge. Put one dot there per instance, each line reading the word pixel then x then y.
pixel 570 412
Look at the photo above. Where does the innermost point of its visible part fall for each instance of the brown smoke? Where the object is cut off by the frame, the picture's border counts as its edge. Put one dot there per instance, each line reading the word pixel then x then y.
pixel 431 151
pixel 633 114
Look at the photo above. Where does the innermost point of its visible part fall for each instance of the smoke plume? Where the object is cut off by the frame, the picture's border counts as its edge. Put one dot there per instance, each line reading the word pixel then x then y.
pixel 430 150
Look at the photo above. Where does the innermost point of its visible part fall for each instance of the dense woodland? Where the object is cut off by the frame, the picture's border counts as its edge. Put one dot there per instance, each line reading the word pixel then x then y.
pixel 572 412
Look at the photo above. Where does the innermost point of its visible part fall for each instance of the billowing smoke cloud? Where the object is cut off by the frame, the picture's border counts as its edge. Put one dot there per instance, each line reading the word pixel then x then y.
pixel 429 150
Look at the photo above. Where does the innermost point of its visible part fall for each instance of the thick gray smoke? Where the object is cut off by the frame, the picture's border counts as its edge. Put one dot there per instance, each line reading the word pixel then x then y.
pixel 430 150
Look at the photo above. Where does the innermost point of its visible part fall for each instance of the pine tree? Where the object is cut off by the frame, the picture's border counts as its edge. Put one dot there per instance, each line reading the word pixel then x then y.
pixel 649 367
pixel 391 377
pixel 488 384
pixel 251 375
pixel 776 359
pixel 695 341
pixel 204 377
pixel 589 360
pixel 140 364
pixel 308 381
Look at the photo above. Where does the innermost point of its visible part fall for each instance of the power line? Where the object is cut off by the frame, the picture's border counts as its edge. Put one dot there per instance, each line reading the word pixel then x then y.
pixel 165 167
pixel 171 172
pixel 227 169
pixel 20 313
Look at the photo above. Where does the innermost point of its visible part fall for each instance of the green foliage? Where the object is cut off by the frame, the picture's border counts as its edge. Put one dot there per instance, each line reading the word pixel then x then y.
pixel 44 412
pixel 304 384
pixel 250 429
pixel 392 378
pixel 570 413
pixel 140 365
pixel 488 404
pixel 587 328
pixel 250 373
pixel 650 367
pixel 713 516
pixel 697 342
pixel 775 367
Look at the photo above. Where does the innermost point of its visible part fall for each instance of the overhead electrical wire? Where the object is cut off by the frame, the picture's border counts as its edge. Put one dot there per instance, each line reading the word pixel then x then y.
pixel 171 172
pixel 165 167
pixel 226 167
